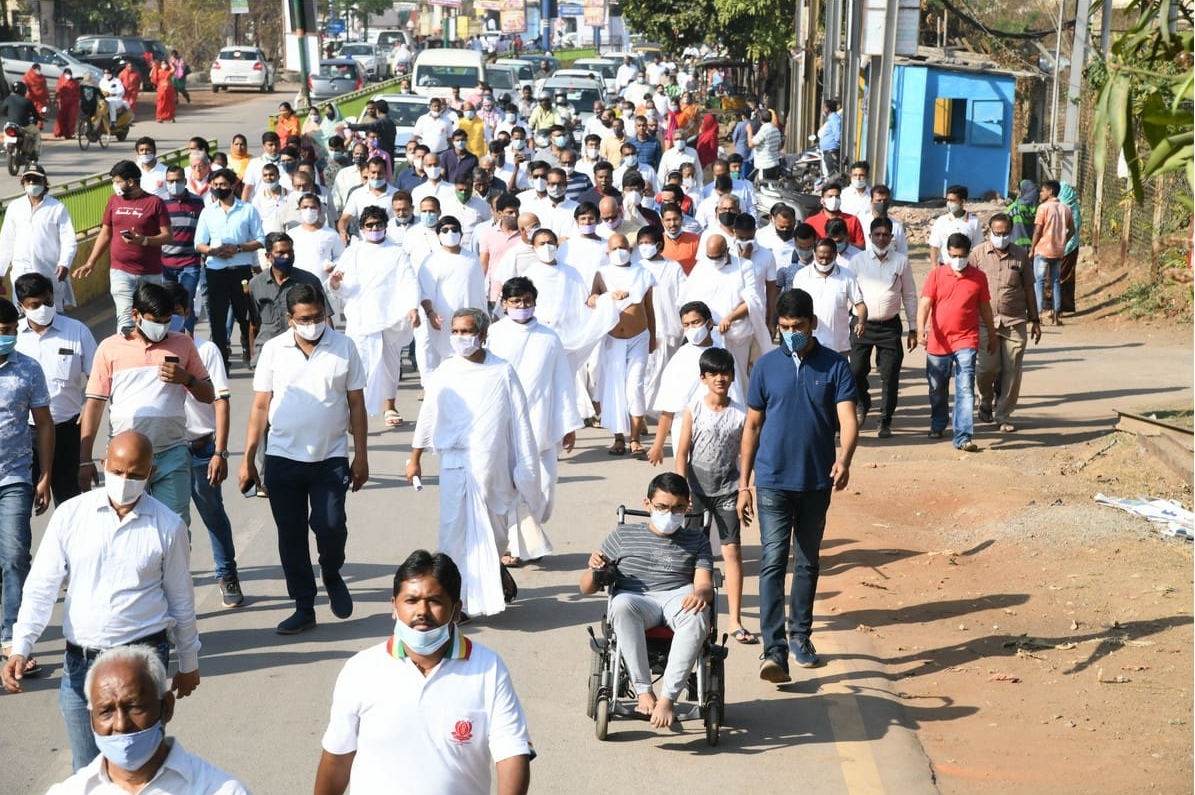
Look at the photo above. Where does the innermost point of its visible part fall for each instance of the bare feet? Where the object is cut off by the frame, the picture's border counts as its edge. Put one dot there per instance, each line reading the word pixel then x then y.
pixel 663 716
pixel 647 705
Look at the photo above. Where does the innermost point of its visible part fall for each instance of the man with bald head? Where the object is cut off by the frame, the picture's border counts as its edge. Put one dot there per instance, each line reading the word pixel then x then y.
pixel 130 704
pixel 127 557
pixel 625 348
pixel 520 256
pixel 718 283
pixel 612 220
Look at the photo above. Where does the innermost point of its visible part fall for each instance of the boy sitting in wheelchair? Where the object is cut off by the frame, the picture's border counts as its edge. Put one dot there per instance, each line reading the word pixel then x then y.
pixel 662 575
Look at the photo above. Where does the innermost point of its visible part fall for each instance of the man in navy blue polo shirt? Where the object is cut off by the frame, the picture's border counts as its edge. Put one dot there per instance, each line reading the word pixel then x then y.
pixel 800 394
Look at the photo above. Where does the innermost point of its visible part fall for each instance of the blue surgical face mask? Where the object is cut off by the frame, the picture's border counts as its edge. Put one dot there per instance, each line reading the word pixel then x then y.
pixel 795 341
pixel 177 323
pixel 428 218
pixel 8 342
pixel 422 641
pixel 131 751
pixel 841 246
pixel 377 184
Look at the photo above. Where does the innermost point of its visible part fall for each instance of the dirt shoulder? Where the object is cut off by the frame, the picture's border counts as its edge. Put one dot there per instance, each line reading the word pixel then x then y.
pixel 1039 641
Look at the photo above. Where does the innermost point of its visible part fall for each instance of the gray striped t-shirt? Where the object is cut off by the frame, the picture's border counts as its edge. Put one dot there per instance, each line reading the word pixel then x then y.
pixel 649 562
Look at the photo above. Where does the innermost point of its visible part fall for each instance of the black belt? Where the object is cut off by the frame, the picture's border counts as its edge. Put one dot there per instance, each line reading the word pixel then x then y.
pixel 90 654
pixel 888 322
pixel 198 444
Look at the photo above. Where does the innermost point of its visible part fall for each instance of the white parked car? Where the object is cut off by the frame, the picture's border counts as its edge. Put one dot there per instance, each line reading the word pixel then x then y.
pixel 404 110
pixel 242 67
pixel 370 58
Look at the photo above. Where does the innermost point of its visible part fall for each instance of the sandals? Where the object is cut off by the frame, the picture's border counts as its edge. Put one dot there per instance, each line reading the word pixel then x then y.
pixel 744 637
pixel 511 562
pixel 638 450
pixel 509 588
pixel 618 448
pixel 393 418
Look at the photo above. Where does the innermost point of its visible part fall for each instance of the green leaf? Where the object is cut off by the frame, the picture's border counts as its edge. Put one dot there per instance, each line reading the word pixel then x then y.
pixel 1171 154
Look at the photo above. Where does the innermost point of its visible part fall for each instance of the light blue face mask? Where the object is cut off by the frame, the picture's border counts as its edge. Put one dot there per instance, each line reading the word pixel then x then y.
pixel 795 341
pixel 131 751
pixel 422 641
pixel 8 343
pixel 428 219
pixel 177 323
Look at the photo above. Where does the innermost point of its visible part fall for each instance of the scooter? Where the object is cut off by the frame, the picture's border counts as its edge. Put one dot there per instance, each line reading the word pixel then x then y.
pixel 808 169
pixel 18 146
pixel 799 186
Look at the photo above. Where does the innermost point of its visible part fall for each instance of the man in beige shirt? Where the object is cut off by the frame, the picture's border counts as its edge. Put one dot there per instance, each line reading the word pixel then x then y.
pixel 1052 227
pixel 1014 306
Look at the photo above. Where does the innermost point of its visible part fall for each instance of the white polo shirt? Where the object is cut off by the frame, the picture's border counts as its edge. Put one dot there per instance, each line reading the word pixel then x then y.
pixel 437 733
pixel 834 297
pixel 66 353
pixel 181 773
pixel 309 408
pixel 201 417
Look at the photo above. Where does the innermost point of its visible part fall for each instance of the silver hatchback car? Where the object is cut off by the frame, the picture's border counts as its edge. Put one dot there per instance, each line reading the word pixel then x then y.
pixel 335 76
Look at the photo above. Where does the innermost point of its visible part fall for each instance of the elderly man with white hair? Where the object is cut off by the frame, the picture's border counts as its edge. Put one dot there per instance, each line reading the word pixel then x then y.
pixel 129 703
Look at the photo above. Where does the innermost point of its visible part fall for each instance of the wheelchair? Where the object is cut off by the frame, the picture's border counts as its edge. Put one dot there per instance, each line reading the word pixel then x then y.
pixel 611 694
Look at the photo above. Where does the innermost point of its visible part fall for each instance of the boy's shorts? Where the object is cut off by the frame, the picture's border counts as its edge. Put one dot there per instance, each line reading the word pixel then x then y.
pixel 725 515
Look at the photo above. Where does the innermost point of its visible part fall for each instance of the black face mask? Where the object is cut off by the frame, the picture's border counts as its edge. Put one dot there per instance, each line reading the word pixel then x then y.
pixel 360 161
pixel 222 193
pixel 284 265
pixel 342 158
pixel 726 219
pixel 786 234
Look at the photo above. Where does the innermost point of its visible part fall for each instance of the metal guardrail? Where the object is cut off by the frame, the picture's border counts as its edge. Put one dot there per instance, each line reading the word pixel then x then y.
pixel 352 103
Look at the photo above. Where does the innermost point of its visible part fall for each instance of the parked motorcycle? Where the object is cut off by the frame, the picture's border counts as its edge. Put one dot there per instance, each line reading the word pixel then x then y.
pixel 802 176
pixel 19 147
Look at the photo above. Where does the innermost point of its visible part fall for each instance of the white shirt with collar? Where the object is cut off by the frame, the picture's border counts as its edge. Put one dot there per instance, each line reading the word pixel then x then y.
pixel 201 417
pixel 66 352
pixel 153 180
pixel 886 284
pixel 442 190
pixel 900 239
pixel 783 251
pixel 856 202
pixel 37 239
pixel 315 249
pixel 946 225
pixel 129 577
pixel 309 408
pixel 834 297
pixel 181 773
pixel 439 733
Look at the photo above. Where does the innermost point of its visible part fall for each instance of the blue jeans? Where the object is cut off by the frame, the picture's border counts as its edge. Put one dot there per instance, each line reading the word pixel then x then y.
pixel 783 516
pixel 170 483
pixel 1051 267
pixel 72 701
pixel 292 485
pixel 937 371
pixel 188 277
pixel 16 541
pixel 209 501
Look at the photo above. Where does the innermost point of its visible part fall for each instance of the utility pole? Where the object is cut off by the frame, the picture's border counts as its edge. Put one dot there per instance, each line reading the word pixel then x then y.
pixel 1074 89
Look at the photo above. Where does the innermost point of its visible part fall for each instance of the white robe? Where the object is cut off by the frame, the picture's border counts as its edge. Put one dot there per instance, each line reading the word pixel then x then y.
pixel 475 418
pixel 379 290
pixel 620 375
pixel 681 383
pixel 722 290
pixel 451 282
pixel 665 302
pixel 538 357
pixel 585 254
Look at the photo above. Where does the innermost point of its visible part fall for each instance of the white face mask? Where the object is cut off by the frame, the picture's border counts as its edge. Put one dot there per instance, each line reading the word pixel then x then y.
pixel 744 247
pixel 309 216
pixel 35 189
pixel 958 263
pixel 464 344
pixel 556 191
pixel 43 315
pixel 632 198
pixel 698 335
pixel 953 208
pixel 824 268
pixel 539 184
pixel 879 250
pixel 678 146
pixel 310 331
pixel 648 250
pixel 153 331
pixel 620 256
pixel 998 241
pixel 667 522
pixel 122 490
pixel 433 172
pixel 546 253
pixel 450 239
pixel 832 203
pixel 859 184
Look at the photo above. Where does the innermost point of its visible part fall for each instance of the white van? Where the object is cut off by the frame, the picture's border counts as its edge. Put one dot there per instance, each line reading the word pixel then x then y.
pixel 438 70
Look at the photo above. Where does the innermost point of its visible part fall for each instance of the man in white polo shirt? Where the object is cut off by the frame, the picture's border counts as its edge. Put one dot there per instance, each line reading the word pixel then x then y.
pixel 428 707
pixel 310 386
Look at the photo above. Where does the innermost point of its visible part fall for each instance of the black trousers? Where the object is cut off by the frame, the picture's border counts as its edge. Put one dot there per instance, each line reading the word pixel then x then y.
pixel 64 472
pixel 223 290
pixel 308 495
pixel 886 338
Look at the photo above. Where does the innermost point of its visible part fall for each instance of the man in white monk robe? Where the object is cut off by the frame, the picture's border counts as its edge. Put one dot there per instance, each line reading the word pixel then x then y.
pixel 665 300
pixel 377 284
pixel 539 358
pixel 475 418
pixel 450 278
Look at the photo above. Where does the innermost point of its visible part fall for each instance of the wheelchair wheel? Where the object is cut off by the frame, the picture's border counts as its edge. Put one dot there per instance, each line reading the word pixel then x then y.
pixel 715 696
pixel 713 722
pixel 596 664
pixel 601 717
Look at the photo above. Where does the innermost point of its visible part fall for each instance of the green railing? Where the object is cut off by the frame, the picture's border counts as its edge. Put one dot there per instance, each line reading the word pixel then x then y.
pixel 353 103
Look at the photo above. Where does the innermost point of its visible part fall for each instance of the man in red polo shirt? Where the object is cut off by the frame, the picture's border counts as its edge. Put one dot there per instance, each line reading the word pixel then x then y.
pixel 954 300
pixel 831 202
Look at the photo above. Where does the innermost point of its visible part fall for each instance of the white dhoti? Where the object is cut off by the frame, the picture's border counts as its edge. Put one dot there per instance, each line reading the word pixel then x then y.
pixel 657 360
pixel 381 353
pixel 471 535
pixel 620 384
pixel 526 537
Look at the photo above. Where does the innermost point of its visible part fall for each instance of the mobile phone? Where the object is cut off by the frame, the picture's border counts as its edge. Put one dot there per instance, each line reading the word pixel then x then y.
pixel 173 359
pixel 250 490
pixel 127 234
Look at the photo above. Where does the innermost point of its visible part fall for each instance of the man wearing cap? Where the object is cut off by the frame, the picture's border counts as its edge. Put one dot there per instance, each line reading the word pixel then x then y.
pixel 37 235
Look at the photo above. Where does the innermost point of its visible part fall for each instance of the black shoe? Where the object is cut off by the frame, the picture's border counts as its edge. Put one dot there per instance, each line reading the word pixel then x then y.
pixel 803 651
pixel 860 414
pixel 985 415
pixel 885 431
pixel 774 668
pixel 230 591
pixel 339 597
pixel 300 621
pixel 935 434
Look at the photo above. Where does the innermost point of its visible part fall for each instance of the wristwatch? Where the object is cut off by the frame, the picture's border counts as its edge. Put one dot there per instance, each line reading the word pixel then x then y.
pixel 223 454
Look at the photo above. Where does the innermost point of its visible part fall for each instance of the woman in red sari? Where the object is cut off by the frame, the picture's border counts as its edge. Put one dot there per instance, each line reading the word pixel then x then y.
pixel 38 94
pixel 707 140
pixel 67 91
pixel 163 77
pixel 130 78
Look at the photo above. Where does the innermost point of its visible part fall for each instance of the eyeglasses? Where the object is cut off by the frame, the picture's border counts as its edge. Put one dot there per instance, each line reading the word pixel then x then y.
pixel 449 229
pixel 675 510
pixel 307 321
pixel 373 225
